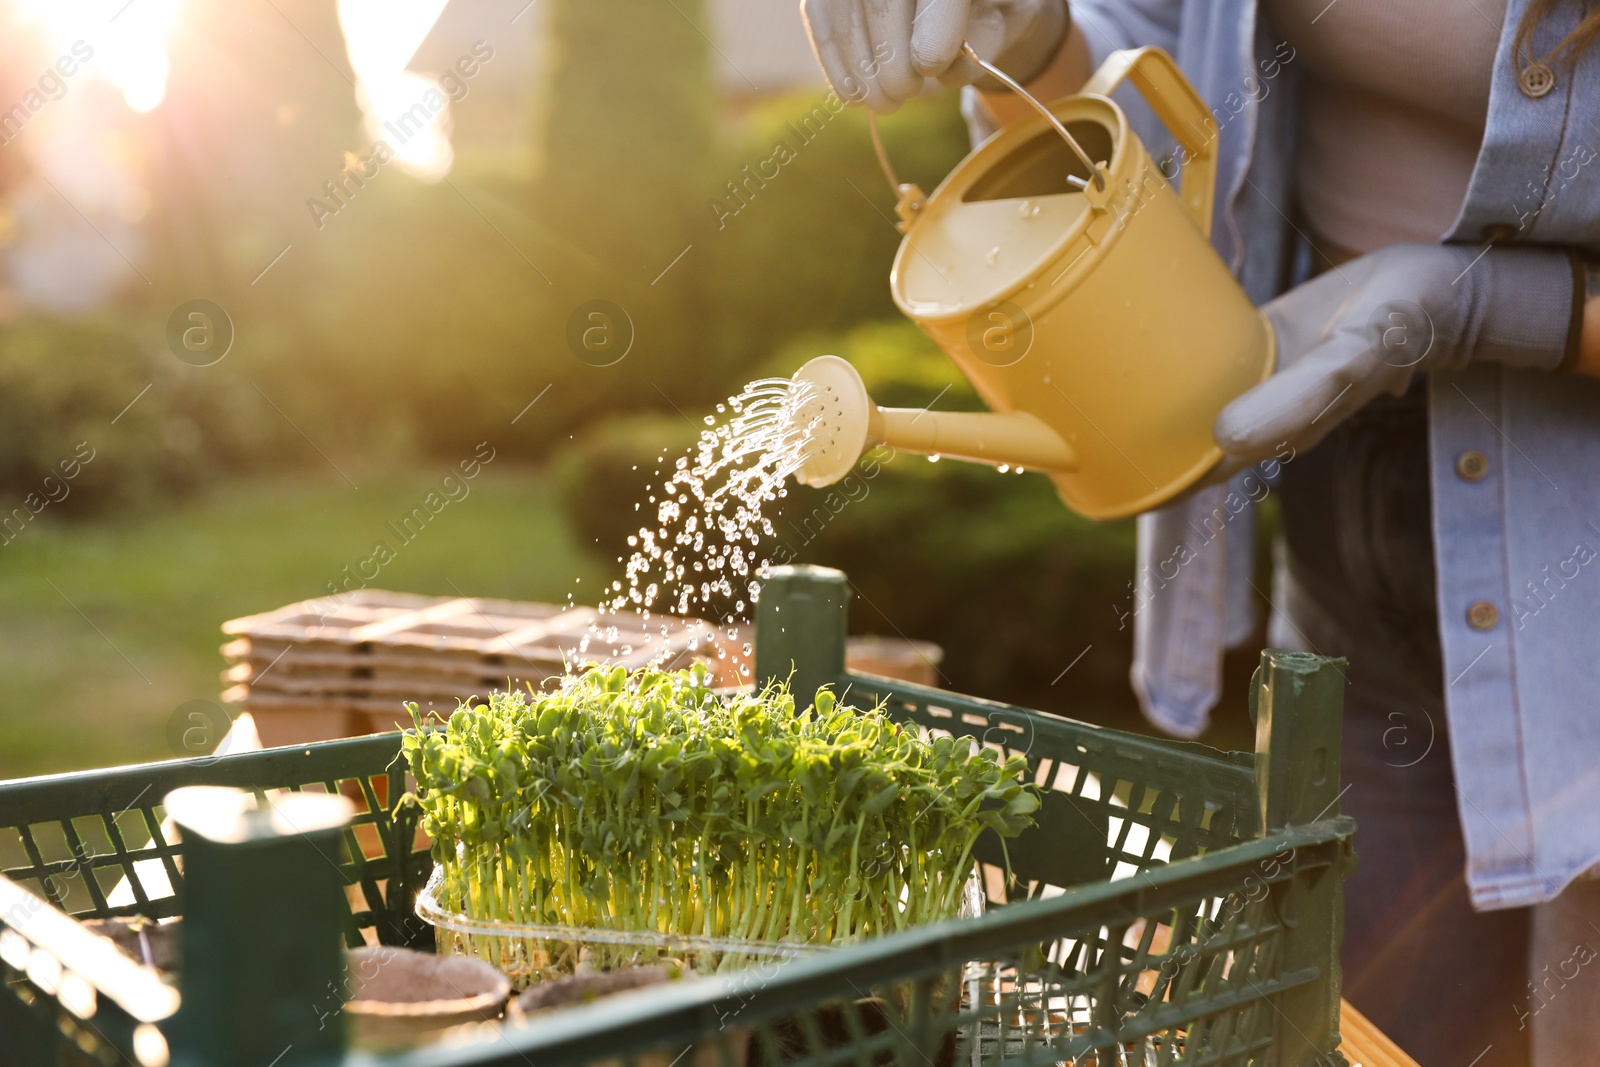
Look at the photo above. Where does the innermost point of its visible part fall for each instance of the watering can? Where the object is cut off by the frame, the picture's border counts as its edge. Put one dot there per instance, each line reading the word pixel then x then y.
pixel 1078 293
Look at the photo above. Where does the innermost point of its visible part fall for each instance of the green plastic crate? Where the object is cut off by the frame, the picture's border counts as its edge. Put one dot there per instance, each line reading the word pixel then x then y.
pixel 1174 905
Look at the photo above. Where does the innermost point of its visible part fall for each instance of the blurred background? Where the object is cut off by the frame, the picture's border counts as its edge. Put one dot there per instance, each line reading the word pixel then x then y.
pixel 269 271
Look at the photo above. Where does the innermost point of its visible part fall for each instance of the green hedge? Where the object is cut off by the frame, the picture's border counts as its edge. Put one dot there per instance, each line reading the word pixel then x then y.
pixel 423 318
pixel 92 418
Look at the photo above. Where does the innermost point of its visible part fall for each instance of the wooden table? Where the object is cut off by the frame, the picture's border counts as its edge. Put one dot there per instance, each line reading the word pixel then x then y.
pixel 1365 1045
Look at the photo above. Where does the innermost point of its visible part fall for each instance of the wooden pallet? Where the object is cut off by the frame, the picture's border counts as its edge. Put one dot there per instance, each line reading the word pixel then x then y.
pixel 346 665
pixel 468 628
pixel 1364 1045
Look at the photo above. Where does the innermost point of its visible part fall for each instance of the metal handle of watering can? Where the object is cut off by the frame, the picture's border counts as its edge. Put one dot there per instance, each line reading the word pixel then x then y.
pixel 1005 79
pixel 1157 77
pixel 912 202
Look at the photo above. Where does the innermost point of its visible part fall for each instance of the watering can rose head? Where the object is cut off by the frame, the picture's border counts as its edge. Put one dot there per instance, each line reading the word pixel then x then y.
pixel 1080 295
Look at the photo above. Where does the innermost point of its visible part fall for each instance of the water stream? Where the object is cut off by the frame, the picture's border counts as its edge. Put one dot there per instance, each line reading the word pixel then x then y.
pixel 698 551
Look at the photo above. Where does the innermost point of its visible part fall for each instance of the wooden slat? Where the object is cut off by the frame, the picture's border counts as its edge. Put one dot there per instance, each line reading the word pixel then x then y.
pixel 543 630
pixel 1365 1045
pixel 335 619
pixel 367 653
pixel 450 609
pixel 396 690
pixel 266 705
pixel 315 656
pixel 136 989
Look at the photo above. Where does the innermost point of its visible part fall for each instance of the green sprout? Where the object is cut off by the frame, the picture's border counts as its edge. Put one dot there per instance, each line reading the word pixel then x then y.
pixel 645 802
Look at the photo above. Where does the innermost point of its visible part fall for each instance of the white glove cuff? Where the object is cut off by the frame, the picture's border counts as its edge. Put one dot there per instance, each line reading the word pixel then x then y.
pixel 1527 307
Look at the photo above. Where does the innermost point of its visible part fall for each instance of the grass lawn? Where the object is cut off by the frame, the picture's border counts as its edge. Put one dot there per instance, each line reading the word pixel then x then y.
pixel 108 626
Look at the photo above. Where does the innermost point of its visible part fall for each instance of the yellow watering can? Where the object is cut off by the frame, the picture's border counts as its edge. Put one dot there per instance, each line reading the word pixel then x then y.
pixel 1080 296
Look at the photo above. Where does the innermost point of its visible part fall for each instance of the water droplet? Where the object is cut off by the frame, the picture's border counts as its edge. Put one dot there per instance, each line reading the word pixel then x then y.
pixel 738 466
pixel 1004 467
pixel 933 458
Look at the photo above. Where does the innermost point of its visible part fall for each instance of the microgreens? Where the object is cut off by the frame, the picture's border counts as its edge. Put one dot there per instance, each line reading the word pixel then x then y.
pixel 645 802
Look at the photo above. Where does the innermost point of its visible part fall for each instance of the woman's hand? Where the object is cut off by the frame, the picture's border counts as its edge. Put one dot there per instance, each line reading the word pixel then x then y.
pixel 878 52
pixel 1366 327
pixel 1589 339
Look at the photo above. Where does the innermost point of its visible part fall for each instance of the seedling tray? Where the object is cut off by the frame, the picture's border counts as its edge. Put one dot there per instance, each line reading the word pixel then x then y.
pixel 526 952
pixel 1174 905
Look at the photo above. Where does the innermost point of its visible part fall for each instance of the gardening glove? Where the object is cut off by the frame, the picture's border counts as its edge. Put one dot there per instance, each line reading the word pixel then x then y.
pixel 1366 327
pixel 878 52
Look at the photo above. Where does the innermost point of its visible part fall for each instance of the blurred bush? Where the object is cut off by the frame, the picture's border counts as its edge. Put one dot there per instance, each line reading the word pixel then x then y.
pixel 623 152
pixel 991 566
pixel 176 427
pixel 810 250
pixel 604 475
pixel 447 350
pixel 419 319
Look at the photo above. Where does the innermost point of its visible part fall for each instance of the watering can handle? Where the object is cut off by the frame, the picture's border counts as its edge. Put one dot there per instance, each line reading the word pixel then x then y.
pixel 911 196
pixel 1180 110
pixel 1049 116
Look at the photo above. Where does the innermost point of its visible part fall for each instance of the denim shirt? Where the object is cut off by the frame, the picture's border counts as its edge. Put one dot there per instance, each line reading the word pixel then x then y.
pixel 1522 694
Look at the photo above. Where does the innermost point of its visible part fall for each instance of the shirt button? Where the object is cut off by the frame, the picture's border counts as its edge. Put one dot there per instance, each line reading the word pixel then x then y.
pixel 1535 80
pixel 1482 615
pixel 1472 465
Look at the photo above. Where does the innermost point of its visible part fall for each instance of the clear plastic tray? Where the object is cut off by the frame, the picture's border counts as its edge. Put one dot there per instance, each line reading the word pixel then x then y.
pixel 528 952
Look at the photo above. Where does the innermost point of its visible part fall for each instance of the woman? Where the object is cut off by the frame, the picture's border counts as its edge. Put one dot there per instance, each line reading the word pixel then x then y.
pixel 1417 179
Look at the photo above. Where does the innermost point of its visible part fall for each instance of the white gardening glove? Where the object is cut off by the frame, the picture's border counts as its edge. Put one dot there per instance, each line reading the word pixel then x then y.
pixel 878 52
pixel 1367 327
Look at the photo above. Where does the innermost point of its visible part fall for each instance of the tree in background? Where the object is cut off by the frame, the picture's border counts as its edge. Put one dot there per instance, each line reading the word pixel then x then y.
pixel 421 319
pixel 622 146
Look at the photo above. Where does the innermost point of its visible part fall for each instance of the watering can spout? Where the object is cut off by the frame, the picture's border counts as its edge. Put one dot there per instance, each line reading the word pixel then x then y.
pixel 843 422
